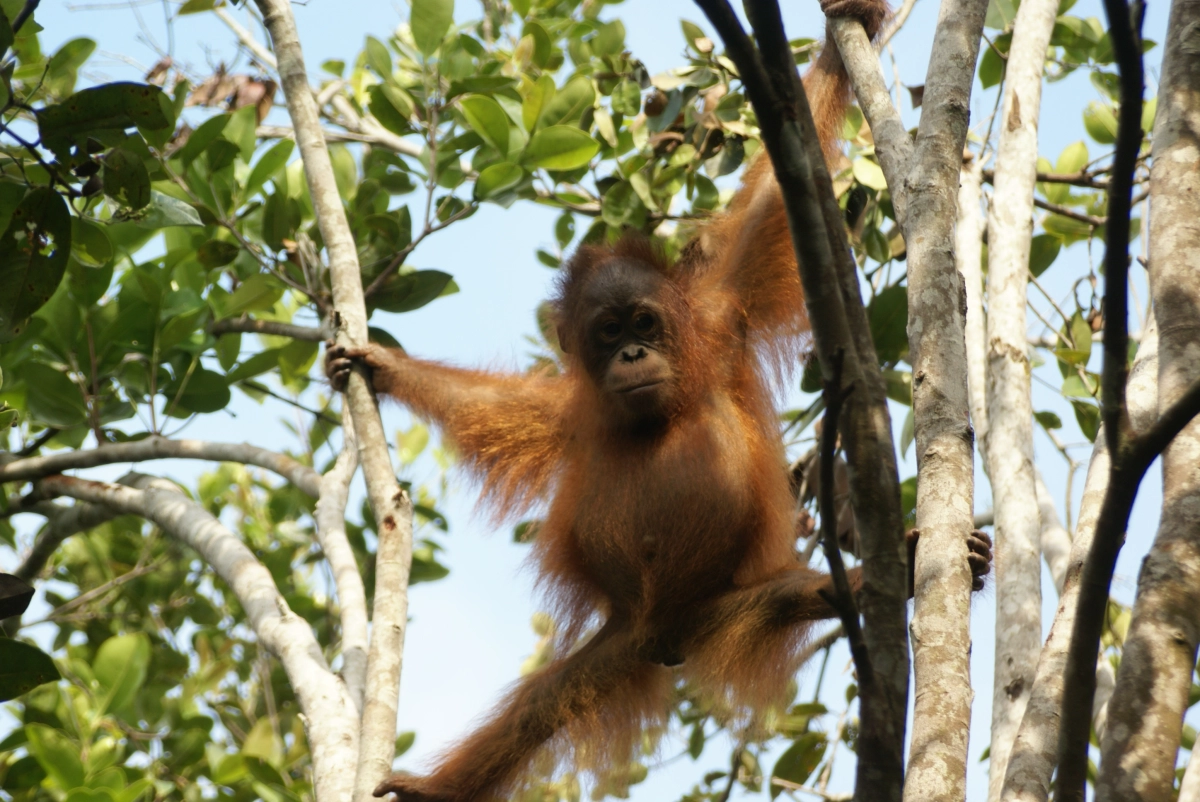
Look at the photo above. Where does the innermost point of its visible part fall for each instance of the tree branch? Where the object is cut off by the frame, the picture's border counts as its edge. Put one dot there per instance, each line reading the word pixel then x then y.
pixel 390 504
pixel 331 731
pixel 1034 752
pixel 156 447
pixel 893 145
pixel 246 325
pixel 330 520
pixel 842 600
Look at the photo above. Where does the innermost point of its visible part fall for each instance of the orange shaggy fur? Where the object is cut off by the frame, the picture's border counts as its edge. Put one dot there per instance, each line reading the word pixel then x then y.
pixel 723 592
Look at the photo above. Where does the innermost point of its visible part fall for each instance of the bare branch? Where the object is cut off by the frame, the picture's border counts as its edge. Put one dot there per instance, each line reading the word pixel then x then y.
pixel 893 145
pixel 1034 753
pixel 156 447
pixel 245 325
pixel 330 520
pixel 330 725
pixel 390 504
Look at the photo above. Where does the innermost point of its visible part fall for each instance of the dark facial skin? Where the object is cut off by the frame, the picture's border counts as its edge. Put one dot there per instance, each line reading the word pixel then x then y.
pixel 622 338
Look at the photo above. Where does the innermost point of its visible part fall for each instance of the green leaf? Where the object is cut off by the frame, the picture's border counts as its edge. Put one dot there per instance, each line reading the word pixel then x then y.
pixel 254 366
pixel 487 119
pixel 800 760
pixel 11 193
pixel 888 315
pixel 204 135
pixel 120 668
pixel 1088 417
pixel 609 39
pixel 404 293
pixel 869 174
pixel 392 106
pixel 90 243
pixel 479 84
pixel 1073 158
pixel 257 293
pixel 1149 110
pixel 205 391
pixel 164 212
pixel 33 257
pixel 126 179
pixel 6 33
pixel 195 7
pixel 379 58
pixel 567 105
pixel 560 147
pixel 217 253
pixel 1043 250
pixel 1048 420
pixel 429 22
pixel 115 106
pixel 627 98
pixel 1100 122
pixel 1000 14
pixel 404 742
pixel 57 754
pixel 22 668
pixel 267 166
pixel 991 67
pixel 496 179
pixel 51 398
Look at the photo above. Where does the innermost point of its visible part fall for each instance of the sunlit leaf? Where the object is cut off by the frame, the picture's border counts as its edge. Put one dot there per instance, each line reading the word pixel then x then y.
pixel 560 147
pixel 429 22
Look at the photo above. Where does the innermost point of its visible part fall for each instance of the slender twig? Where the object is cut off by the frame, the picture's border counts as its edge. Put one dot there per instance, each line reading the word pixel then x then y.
pixel 407 250
pixel 261 388
pixel 842 600
pixel 32 447
pixel 25 13
pixel 1088 219
pixel 245 324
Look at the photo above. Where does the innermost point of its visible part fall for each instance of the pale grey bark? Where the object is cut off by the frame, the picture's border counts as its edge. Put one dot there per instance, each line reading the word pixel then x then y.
pixel 968 254
pixel 155 447
pixel 922 177
pixel 1035 748
pixel 893 145
pixel 1189 787
pixel 1146 711
pixel 1053 540
pixel 330 520
pixel 390 504
pixel 246 325
pixel 1010 412
pixel 330 724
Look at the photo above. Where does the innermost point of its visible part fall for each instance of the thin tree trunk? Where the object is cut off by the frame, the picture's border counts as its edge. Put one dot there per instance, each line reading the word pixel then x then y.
pixel 1010 413
pixel 390 504
pixel 1034 752
pixel 1146 711
pixel 941 625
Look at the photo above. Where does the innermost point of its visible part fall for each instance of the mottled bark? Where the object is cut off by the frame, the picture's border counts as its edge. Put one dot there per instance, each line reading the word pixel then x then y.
pixel 390 504
pixel 941 625
pixel 1032 761
pixel 1146 712
pixel 1010 412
